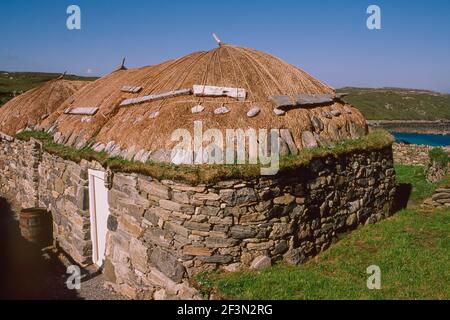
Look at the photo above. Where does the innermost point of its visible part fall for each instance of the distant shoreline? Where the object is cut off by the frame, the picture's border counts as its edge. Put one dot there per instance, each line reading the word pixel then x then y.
pixel 413 126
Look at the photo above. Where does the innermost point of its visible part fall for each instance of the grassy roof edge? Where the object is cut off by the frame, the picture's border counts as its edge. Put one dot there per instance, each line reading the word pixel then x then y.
pixel 203 174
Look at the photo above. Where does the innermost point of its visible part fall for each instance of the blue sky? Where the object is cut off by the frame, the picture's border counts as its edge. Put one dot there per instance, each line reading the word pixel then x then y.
pixel 329 39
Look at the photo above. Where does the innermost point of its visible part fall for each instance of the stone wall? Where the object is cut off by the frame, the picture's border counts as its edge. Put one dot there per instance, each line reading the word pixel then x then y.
pixel 32 178
pixel 440 199
pixel 411 154
pixel 161 233
pixel 64 191
pixel 18 172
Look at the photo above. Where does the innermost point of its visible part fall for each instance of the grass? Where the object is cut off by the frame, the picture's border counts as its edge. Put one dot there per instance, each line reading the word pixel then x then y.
pixel 399 104
pixel 439 156
pixel 416 176
pixel 411 248
pixel 207 173
pixel 67 153
pixel 14 83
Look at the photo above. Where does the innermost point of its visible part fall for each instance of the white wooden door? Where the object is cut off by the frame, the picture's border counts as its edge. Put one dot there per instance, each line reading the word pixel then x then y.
pixel 99 212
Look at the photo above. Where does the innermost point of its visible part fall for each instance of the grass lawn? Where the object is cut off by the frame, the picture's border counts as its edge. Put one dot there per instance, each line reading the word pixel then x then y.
pixel 412 248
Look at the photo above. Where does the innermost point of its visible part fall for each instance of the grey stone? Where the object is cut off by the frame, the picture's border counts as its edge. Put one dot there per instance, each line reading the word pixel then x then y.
pixel 280 248
pixel 261 262
pixel 295 256
pixel 317 123
pixel 198 109
pixel 281 101
pixel 243 232
pixel 440 196
pixel 327 115
pixel 221 110
pixel 154 115
pixel 336 113
pixel 253 112
pixel 308 140
pixel 198 226
pixel 217 258
pixel 220 242
pixel 112 223
pixel 279 112
pixel 168 264
pixel 245 195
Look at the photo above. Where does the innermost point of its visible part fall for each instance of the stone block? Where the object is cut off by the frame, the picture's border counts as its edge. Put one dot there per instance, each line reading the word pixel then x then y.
pixel 197 251
pixel 261 262
pixel 220 242
pixel 139 255
pixel 168 264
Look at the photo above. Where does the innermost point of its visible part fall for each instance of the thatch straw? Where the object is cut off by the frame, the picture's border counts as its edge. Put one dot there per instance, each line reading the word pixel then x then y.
pixel 260 74
pixel 29 109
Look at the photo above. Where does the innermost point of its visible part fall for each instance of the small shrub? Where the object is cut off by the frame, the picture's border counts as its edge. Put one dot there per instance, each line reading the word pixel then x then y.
pixel 439 156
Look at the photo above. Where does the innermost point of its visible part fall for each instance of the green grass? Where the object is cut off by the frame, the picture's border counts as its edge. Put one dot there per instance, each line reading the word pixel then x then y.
pixel 399 104
pixel 19 82
pixel 67 153
pixel 416 176
pixel 412 248
pixel 207 173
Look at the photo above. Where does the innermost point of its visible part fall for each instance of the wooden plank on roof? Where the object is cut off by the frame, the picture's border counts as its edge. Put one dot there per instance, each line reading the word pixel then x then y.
pixel 131 89
pixel 282 101
pixel 159 96
pixel 205 91
pixel 312 99
pixel 81 111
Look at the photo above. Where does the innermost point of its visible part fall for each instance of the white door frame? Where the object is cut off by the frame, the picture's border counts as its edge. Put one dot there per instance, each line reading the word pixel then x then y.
pixel 92 174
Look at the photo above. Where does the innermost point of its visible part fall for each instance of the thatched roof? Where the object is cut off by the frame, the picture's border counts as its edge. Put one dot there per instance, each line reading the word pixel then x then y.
pixel 31 107
pixel 145 127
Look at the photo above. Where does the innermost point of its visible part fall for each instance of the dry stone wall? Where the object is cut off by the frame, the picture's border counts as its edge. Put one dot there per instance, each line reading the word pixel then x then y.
pixel 32 178
pixel 161 233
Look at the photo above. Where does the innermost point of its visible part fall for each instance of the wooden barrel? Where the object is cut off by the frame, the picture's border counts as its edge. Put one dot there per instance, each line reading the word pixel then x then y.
pixel 31 223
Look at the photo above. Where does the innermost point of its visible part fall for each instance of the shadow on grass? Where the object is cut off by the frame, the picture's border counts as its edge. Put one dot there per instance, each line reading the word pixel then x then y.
pixel 402 196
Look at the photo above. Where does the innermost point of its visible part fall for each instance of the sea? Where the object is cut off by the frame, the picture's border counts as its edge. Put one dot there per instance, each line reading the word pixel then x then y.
pixel 434 140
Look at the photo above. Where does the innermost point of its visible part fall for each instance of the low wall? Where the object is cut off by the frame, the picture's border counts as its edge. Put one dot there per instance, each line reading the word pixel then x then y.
pixel 440 199
pixel 161 233
pixel 411 154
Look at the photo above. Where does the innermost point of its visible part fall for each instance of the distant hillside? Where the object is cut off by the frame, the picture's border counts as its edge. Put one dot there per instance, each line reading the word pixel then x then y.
pixel 399 104
pixel 15 83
